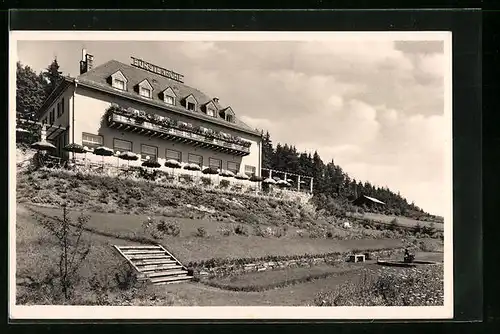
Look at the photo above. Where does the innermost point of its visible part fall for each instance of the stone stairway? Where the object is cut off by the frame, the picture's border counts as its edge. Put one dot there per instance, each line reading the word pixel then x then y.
pixel 155 264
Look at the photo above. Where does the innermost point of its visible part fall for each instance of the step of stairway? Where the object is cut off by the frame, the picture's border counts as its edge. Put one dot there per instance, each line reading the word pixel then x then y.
pixel 139 247
pixel 168 273
pixel 143 252
pixel 151 268
pixel 167 280
pixel 147 256
pixel 142 262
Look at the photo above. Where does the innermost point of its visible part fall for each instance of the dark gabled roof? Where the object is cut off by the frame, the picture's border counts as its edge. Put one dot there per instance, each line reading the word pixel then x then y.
pixel 98 76
pixel 55 93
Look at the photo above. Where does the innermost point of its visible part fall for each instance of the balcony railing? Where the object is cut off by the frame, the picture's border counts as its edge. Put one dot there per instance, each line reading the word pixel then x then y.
pixel 153 130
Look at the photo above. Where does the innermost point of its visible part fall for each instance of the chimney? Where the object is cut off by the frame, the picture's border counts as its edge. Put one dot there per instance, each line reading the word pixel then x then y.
pixel 87 62
pixel 216 99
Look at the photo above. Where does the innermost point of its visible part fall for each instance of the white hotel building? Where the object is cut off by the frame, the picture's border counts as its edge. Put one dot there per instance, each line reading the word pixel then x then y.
pixel 150 111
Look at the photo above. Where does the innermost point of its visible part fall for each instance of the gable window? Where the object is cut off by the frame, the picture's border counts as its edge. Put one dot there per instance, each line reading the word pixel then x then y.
pixel 62 106
pixel 215 163
pixel 122 145
pixel 91 140
pixel 211 112
pixel 149 151
pixel 146 92
pixel 173 155
pixel 195 159
pixel 229 118
pixel 118 83
pixel 191 106
pixel 169 96
pixel 169 99
pixel 58 109
pixel 233 167
pixel 249 170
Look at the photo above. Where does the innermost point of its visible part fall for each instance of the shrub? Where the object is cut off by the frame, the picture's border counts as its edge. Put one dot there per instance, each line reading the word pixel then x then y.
pixel 224 183
pixel 241 230
pixel 169 228
pixel 186 178
pixel 160 229
pixel 225 231
pixel 260 232
pixel 429 230
pixel 389 287
pixel 315 234
pixel 206 181
pixel 394 225
pixel 201 232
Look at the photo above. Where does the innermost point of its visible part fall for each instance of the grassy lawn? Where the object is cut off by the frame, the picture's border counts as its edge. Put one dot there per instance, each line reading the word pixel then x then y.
pixel 190 294
pixel 189 248
pixel 401 220
pixel 267 280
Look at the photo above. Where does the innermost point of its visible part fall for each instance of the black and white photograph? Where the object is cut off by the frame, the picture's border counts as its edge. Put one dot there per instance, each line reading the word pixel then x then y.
pixel 230 175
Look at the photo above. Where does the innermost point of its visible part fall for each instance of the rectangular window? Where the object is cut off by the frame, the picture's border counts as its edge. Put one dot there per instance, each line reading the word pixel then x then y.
pixel 51 120
pixel 62 106
pixel 190 106
pixel 233 167
pixel 249 170
pixel 195 159
pixel 149 151
pixel 211 112
pixel 215 163
pixel 169 99
pixel 146 92
pixel 173 155
pixel 44 120
pixel 58 109
pixel 122 145
pixel 120 84
pixel 92 141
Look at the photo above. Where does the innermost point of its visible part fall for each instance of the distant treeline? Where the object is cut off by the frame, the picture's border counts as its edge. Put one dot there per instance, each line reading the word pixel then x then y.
pixel 333 189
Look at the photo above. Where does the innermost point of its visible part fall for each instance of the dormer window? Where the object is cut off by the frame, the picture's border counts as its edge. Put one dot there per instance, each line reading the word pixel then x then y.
pixel 190 103
pixel 145 92
pixel 118 80
pixel 120 84
pixel 169 100
pixel 168 96
pixel 227 114
pixel 145 89
pixel 210 109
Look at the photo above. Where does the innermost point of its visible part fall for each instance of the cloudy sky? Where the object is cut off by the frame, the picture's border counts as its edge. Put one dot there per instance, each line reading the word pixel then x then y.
pixel 374 106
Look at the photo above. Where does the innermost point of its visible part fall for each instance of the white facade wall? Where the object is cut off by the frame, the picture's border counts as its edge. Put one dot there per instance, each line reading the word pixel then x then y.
pixel 65 98
pixel 90 107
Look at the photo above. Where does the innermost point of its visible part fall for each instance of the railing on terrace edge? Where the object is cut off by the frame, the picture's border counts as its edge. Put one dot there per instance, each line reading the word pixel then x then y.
pixel 276 193
pixel 114 117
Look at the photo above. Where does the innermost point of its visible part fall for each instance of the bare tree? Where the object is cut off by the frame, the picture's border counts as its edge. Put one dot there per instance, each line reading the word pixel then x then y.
pixel 73 248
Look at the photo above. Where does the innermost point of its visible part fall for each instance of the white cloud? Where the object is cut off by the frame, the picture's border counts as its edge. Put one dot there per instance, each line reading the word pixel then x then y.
pixel 433 64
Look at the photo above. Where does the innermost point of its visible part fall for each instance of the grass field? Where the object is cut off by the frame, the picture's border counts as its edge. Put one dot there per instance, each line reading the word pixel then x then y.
pixel 403 221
